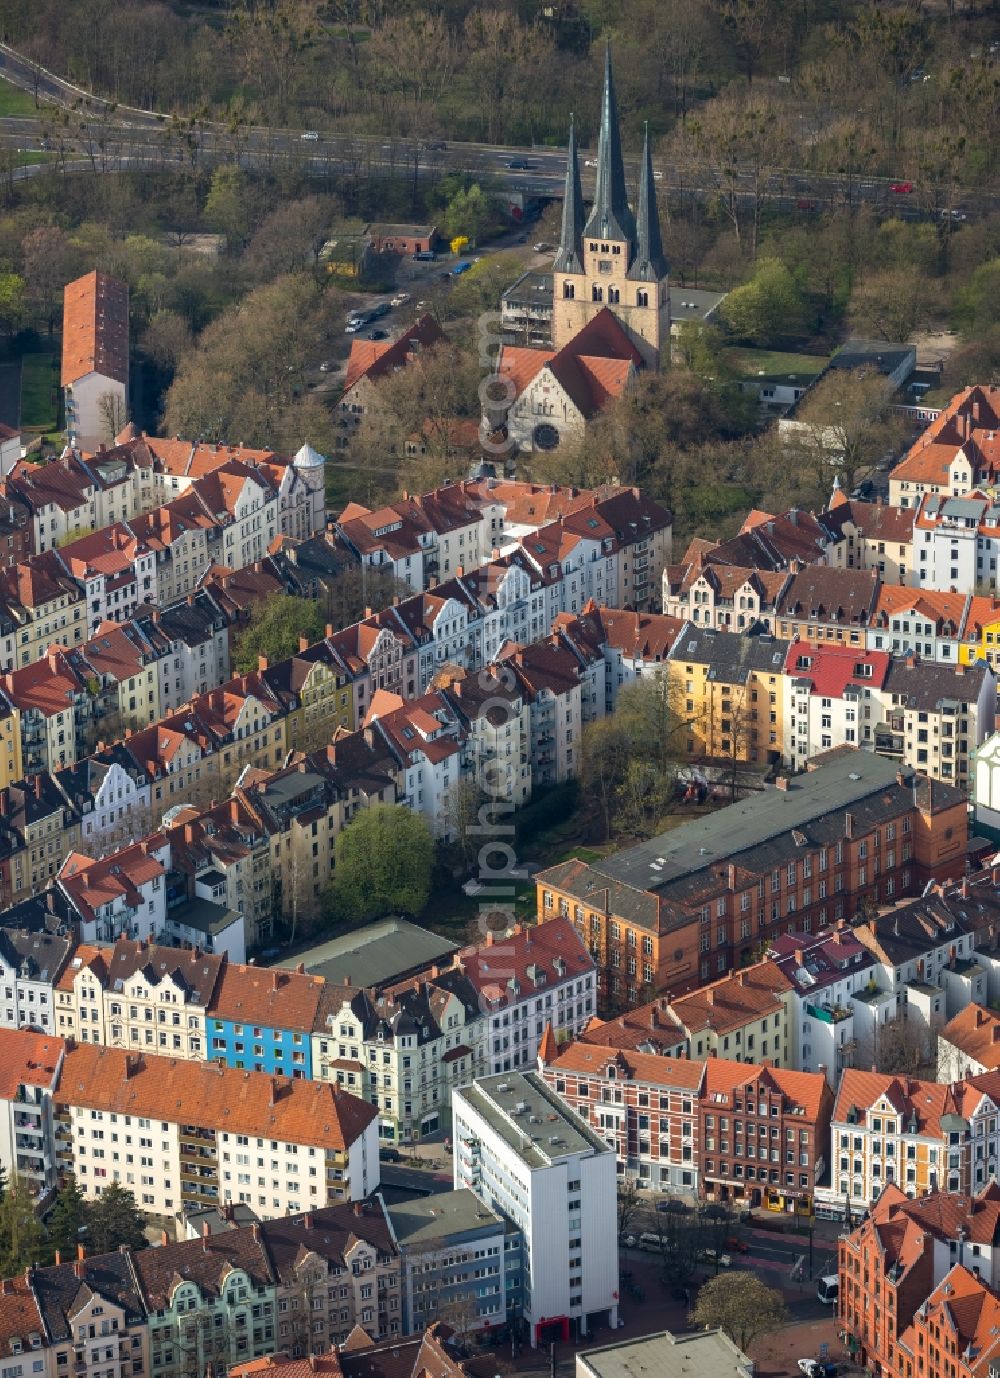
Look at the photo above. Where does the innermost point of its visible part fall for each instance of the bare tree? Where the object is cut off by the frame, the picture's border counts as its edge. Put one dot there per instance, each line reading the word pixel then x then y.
pixel 113 413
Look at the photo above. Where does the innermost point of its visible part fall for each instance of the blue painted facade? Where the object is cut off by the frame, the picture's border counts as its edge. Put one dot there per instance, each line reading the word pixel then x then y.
pixel 258 1048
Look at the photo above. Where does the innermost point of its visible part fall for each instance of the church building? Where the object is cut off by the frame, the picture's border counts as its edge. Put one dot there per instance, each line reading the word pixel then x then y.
pixel 611 299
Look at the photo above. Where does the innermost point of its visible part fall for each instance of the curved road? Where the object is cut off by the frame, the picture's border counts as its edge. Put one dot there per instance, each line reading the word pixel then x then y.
pixel 89 133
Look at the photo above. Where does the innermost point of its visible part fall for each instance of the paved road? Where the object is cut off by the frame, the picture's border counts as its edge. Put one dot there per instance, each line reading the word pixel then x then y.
pixel 111 137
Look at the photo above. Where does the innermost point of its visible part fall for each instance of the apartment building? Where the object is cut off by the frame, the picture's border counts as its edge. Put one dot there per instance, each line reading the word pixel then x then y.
pixel 32 1067
pixel 832 605
pixel 30 965
pixel 743 1017
pixel 527 1156
pixel 206 1303
pixel 454 1256
pixel 723 598
pixel 95 357
pixel 893 1269
pixel 697 900
pixel 140 996
pixel 969 1044
pixel 955 454
pixel 403 1049
pixel 931 624
pixel 870 535
pixel 919 1135
pixel 37 826
pixel 642 1104
pixel 262 1019
pixel 925 952
pixel 749 1116
pixel 729 690
pixel 122 895
pixel 335 1269
pixel 194 1133
pixel 833 1004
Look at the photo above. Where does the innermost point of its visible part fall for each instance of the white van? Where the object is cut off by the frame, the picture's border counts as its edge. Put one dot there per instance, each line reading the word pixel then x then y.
pixel 828 1288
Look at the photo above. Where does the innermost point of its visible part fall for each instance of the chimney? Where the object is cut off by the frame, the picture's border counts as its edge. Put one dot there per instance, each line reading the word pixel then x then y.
pixel 262 662
pixel 965 880
pixel 800 956
pixel 301 969
pixel 329 629
pixel 368 612
pixel 303 643
pixel 58 1258
pixel 205 1229
pixel 78 1268
pixel 81 1252
pixel 307 1220
pixel 359 1208
pixel 489 937
pixel 781 782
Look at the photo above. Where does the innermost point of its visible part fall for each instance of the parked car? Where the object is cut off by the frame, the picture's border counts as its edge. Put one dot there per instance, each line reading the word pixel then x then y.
pixel 541 247
pixel 378 334
pixel 954 214
pixel 804 204
pixel 673 1206
pixel 400 299
pixel 390 1155
pixel 713 1256
pixel 435 145
pixel 359 323
pixel 377 312
pixel 310 134
pixel 735 1245
pixel 901 188
pixel 518 164
pixel 816 1368
pixel 424 256
pixel 324 367
pixel 461 268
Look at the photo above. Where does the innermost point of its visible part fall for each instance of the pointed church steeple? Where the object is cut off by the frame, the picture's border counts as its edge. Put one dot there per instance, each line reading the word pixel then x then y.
pixel 569 259
pixel 610 217
pixel 649 263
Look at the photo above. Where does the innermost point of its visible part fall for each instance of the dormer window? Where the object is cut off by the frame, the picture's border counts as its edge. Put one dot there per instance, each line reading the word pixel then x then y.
pixel 642 297
pixel 612 1071
pixel 569 291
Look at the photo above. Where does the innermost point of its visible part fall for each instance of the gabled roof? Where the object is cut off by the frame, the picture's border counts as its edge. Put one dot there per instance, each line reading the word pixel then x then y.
pixel 975 1031
pixel 375 358
pixel 211 1096
pixel 537 957
pixel 29 1059
pixel 831 669
pixel 274 997
pixel 95 329
pixel 593 1060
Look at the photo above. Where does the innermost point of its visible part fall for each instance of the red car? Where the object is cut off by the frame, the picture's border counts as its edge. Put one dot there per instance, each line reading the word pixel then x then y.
pixel 803 205
pixel 901 188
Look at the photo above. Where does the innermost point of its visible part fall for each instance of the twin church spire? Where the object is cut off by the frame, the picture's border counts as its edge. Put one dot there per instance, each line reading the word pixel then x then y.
pixel 611 217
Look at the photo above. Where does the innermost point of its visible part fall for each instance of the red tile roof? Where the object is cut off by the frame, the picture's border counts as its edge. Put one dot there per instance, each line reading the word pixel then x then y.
pixel 28 1059
pixel 976 1032
pixel 273 996
pixel 831 668
pixel 554 950
pixel 211 1096
pixel 95 328
pixel 590 1059
pixel 375 358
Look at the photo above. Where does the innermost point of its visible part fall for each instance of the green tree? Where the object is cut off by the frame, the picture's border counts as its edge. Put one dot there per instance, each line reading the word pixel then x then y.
pixel 385 857
pixel 67 1216
pixel 893 304
pixel 740 1305
pixel 229 206
pixel 470 212
pixel 114 1219
pixel 21 1237
pixel 274 631
pixel 12 303
pixel 767 307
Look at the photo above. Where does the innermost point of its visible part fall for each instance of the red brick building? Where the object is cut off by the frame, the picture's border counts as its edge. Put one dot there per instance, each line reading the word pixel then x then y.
pixel 764 1134
pixel 730 1131
pixel 913 1278
pixel 698 901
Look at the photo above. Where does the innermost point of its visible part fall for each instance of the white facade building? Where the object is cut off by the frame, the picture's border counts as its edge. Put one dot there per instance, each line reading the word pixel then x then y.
pixel 529 1157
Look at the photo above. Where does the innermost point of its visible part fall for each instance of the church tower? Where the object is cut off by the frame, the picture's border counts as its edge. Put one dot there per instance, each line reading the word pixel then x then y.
pixel 615 259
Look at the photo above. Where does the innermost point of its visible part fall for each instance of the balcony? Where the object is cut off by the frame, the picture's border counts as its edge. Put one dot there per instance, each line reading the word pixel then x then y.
pixel 835 1014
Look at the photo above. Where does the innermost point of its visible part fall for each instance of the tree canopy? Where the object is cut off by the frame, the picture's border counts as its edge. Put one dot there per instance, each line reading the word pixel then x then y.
pixel 384 863
pixel 274 630
pixel 741 1305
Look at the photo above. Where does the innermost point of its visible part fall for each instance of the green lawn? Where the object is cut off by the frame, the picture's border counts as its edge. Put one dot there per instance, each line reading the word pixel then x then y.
pixel 39 393
pixel 14 101
pixel 774 366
